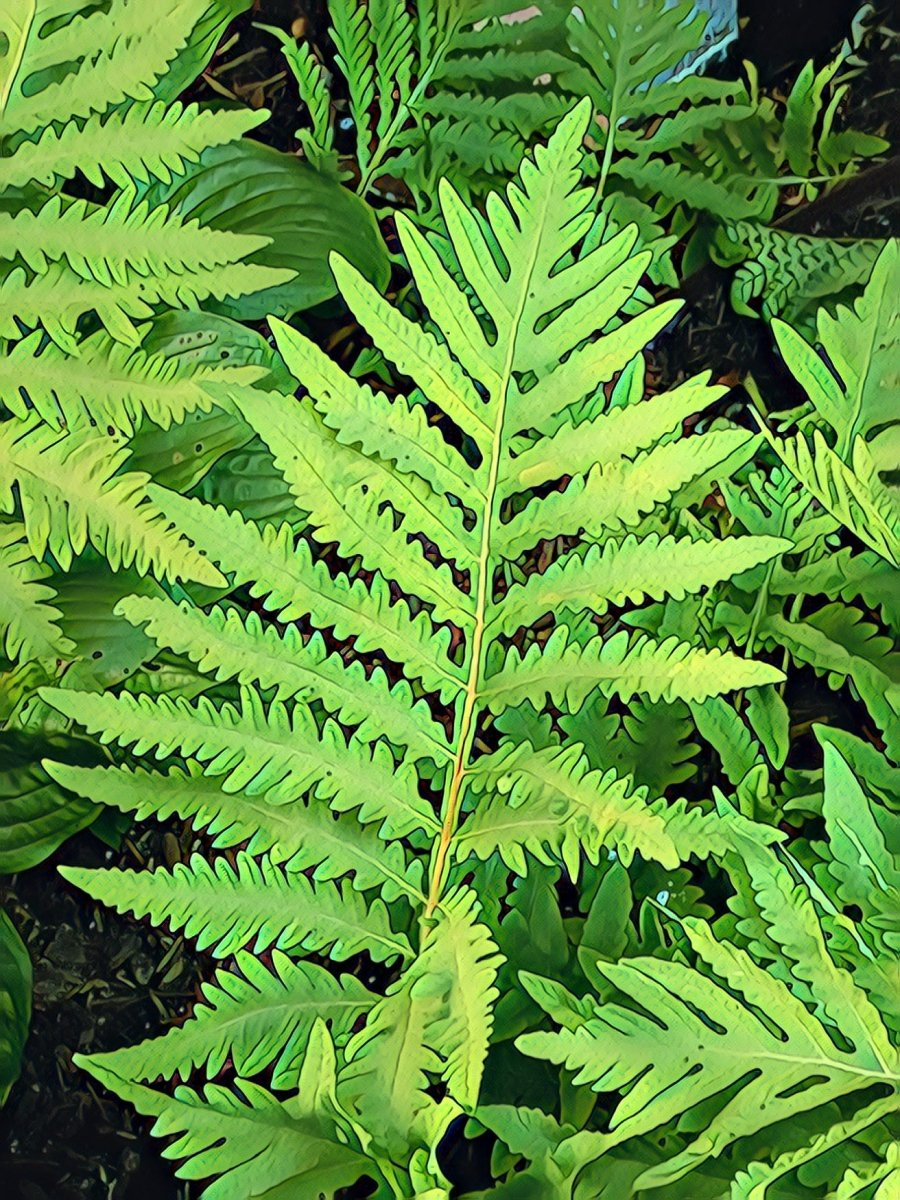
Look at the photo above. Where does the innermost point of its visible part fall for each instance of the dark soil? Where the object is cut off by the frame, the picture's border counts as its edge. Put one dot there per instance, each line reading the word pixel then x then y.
pixel 103 981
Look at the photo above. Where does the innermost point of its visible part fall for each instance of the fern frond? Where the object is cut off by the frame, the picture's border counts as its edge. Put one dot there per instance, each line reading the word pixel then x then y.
pixel 844 575
pixel 613 498
pixel 109 384
pixel 837 641
pixel 852 494
pixel 97 59
pixel 293 584
pixel 71 493
pixel 274 750
pixel 58 298
pixel 612 1047
pixel 754 1182
pixel 300 836
pixel 613 435
pixel 436 1019
pixel 247 1136
pixel 254 903
pixel 126 238
pixel 392 429
pixel 567 671
pixel 629 570
pixel 29 622
pixel 324 475
pixel 551 801
pixel 127 146
pixel 258 1017
pixel 859 866
pixel 228 646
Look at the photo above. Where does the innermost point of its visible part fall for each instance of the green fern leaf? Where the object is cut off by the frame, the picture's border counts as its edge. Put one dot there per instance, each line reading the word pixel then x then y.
pixel 567 671
pixel 628 570
pixel 259 1018
pixel 131 145
pixel 610 1047
pixel 293 585
pixel 254 903
pixel 29 623
pixel 109 384
pixel 277 750
pixel 71 493
pixel 247 1137
pixel 228 646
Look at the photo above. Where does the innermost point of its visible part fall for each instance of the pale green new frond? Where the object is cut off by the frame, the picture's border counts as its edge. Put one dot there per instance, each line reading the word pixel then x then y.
pixel 246 1137
pixel 461 947
pixel 72 494
pixel 121 241
pixel 613 498
pixel 136 144
pixel 229 645
pixel 109 383
pixel 29 622
pixel 253 904
pixel 257 1017
pixel 343 491
pixel 852 494
pixel 293 584
pixel 618 433
pixel 274 750
pixel 390 428
pixel 630 570
pixel 435 1020
pixel 568 672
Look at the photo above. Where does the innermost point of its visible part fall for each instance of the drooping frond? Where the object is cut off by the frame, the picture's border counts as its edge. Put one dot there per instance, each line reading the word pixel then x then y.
pixel 86 58
pixel 109 383
pixel 247 1136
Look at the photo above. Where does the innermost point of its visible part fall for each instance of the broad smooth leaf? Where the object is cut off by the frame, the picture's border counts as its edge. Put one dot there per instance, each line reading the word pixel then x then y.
pixel 249 188
pixel 36 814
pixel 15 1003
